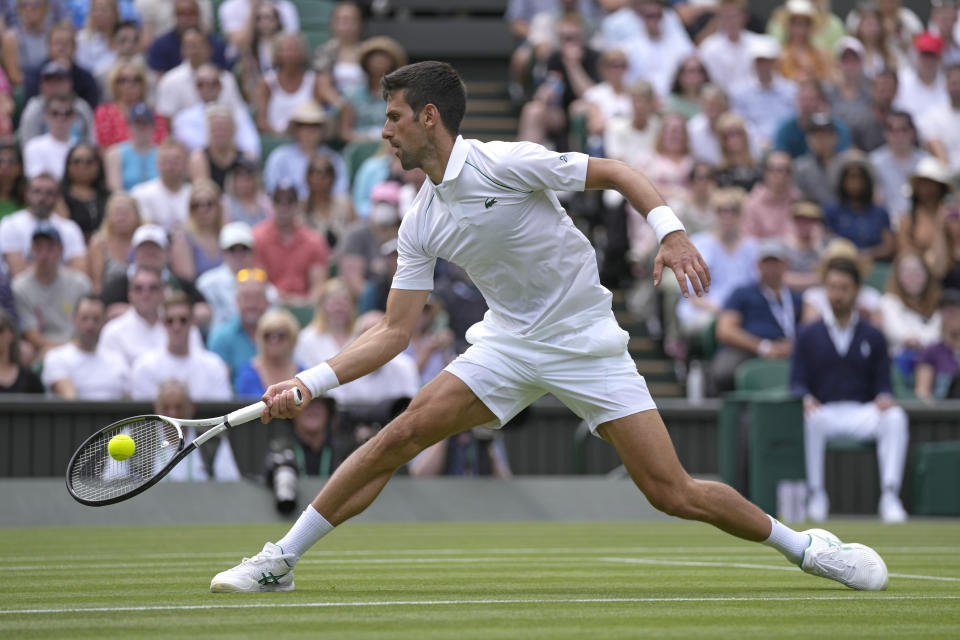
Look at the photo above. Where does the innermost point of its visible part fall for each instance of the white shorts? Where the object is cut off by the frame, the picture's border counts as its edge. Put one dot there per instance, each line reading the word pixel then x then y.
pixel 508 375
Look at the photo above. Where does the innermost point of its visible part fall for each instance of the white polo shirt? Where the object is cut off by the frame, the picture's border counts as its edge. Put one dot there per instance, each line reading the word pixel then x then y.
pixel 495 215
pixel 129 336
pixel 16 235
pixel 96 375
pixel 202 371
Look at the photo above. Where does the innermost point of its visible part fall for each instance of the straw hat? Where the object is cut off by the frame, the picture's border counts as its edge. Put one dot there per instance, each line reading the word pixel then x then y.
pixel 383 43
pixel 932 169
pixel 308 112
pixel 841 248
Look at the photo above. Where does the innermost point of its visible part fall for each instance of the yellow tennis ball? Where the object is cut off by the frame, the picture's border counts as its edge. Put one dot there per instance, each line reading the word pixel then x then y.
pixel 121 447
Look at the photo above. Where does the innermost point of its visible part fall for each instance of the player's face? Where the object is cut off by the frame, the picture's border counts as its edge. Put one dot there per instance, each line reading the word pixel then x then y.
pixel 403 131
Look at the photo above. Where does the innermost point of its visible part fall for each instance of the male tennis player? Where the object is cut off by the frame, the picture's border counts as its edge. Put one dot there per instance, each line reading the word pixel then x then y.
pixel 491 208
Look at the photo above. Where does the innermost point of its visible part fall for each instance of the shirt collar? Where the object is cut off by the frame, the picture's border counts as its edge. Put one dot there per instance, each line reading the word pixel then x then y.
pixel 831 321
pixel 458 156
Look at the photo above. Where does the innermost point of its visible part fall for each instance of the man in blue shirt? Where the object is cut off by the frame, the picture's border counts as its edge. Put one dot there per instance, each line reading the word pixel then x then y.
pixel 791 135
pixel 758 320
pixel 164 53
pixel 841 369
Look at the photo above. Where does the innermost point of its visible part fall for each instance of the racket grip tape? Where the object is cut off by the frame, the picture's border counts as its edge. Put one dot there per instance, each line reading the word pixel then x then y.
pixel 253 411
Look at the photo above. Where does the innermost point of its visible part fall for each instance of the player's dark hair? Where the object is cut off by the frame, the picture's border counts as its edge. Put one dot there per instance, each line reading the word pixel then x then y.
pixel 430 82
pixel 845 266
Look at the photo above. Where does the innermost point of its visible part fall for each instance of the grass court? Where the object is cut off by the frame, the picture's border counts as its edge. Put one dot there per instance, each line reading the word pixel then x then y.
pixel 482 580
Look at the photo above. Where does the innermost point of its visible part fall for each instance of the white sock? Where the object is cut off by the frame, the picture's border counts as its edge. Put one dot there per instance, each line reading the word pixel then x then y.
pixel 309 527
pixel 787 541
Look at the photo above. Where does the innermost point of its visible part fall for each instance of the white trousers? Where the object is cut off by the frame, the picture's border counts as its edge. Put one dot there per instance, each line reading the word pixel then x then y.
pixel 857 421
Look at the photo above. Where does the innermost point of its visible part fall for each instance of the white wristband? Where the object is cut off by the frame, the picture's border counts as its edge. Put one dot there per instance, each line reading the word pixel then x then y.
pixel 319 379
pixel 664 221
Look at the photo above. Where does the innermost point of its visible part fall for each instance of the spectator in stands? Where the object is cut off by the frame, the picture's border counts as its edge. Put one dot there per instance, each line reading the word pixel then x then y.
pixel 732 261
pixel 233 338
pixel 759 320
pixel 812 171
pixel 939 364
pixel 431 344
pixel 670 163
pixel 737 167
pixel 816 305
pixel 165 53
pixel 477 452
pixel 60 49
pixel 791 134
pixel 951 228
pixel 46 292
pixel 77 370
pixel 627 137
pixel 656 54
pixel 361 118
pixel 923 229
pixel 604 102
pixel 854 215
pixel 25 41
pixel 827 28
pixel 841 370
pixel 125 45
pixel 165 200
pixel 763 97
pixel 571 69
pixel 294 256
pixel 276 337
pixel 290 83
pixel 221 153
pixel 219 285
pixel 137 329
pixel 111 245
pixel 878 52
pixel 254 43
pixel 702 128
pixel 202 371
pixel 191 125
pixel 696 209
pixel 895 161
pixel 134 162
pixel 849 93
pixel 727 52
pixel 686 93
pixel 215 462
pixel 923 86
pixel 55 81
pixel 240 20
pixel 94 52
pixel 377 288
pixel 360 258
pixel 941 124
pixel 244 199
pixel 806 244
pixel 14 377
pixel 868 132
pixel 327 214
pixel 47 153
pixel 177 89
pixel 310 129
pixel 766 212
pixel 338 60
pixel 943 22
pixel 332 325
pixel 908 314
pixel 195 248
pixel 83 189
pixel 12 181
pixel 801 58
pixel 16 229
pixel 128 85
pixel 315 444
pixel 160 17
pixel 378 168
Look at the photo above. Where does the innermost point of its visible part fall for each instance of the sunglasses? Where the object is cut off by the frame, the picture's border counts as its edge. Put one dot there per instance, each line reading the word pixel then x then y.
pixel 203 204
pixel 60 114
pixel 88 160
pixel 176 320
pixel 254 273
pixel 237 248
pixel 129 79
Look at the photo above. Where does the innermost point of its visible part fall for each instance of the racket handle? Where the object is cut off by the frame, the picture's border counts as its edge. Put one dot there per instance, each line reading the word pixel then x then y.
pixel 253 411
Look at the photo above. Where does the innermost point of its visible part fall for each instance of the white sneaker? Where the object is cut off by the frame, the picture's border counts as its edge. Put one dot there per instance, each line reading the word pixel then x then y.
pixel 818 506
pixel 266 571
pixel 891 509
pixel 854 565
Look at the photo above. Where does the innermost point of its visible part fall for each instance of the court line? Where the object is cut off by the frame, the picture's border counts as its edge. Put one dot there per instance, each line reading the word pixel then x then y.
pixel 492 601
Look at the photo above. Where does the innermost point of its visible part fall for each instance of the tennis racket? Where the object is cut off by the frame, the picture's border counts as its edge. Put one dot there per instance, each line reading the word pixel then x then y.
pixel 95 478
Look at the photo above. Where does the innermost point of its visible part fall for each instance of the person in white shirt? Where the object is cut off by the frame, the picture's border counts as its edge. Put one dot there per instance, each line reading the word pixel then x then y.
pixel 764 97
pixel 190 124
pixel 47 153
pixel 922 87
pixel 177 88
pixel 627 138
pixel 77 369
pixel 656 56
pixel 235 14
pixel 165 200
pixel 491 208
pixel 941 125
pixel 727 53
pixel 16 229
pixel 204 373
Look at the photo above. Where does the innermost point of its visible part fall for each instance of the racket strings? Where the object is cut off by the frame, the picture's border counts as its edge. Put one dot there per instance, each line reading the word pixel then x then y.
pixel 96 476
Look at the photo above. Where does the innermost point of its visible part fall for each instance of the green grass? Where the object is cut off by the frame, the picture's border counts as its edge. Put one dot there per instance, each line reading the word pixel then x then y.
pixel 424 581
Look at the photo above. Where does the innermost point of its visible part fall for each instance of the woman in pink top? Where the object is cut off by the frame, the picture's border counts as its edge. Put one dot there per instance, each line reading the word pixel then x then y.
pixel 766 213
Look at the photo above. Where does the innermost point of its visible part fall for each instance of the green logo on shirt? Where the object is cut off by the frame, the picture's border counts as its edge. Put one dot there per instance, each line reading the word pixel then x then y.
pixel 564 158
pixel 489 202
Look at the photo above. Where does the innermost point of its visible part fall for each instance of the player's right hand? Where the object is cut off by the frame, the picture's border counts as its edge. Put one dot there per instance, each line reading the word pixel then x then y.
pixel 280 401
pixel 678 253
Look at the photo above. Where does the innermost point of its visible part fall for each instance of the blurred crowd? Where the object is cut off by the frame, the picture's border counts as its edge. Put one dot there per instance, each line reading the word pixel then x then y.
pixel 195 203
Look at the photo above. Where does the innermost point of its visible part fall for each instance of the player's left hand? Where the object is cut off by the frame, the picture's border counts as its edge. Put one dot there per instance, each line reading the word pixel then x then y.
pixel 678 253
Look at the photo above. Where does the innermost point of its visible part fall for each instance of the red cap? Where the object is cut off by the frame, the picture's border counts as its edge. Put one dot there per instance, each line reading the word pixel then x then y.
pixel 927 42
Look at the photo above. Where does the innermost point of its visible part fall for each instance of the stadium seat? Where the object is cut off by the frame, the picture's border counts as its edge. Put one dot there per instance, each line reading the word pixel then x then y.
pixel 356 152
pixel 878 276
pixel 758 374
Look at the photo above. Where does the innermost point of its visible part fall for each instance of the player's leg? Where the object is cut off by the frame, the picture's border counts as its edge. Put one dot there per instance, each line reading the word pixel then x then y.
pixel 445 406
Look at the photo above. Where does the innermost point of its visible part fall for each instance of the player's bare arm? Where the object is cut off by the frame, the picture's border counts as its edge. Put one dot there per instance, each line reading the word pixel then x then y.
pixel 369 352
pixel 676 250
